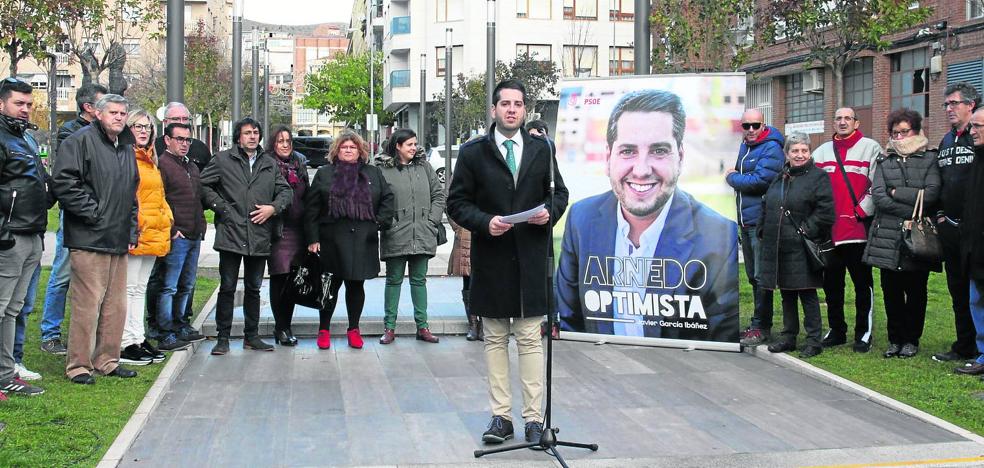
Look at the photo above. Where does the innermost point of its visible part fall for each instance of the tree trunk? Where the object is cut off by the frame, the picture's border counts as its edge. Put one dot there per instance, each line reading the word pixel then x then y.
pixel 116 56
pixel 53 109
pixel 90 67
pixel 838 91
pixel 11 48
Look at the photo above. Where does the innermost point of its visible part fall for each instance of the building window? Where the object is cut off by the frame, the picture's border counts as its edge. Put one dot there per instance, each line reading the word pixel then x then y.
pixel 580 61
pixel 975 9
pixel 621 61
pixel 858 79
pixel 457 55
pixel 533 9
pixel 971 72
pixel 910 80
pixel 132 47
pixel 449 10
pixel 760 97
pixel 538 52
pixel 622 10
pixel 802 106
pixel 581 9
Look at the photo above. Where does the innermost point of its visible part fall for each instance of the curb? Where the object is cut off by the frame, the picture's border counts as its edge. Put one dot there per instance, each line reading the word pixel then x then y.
pixel 172 368
pixel 837 381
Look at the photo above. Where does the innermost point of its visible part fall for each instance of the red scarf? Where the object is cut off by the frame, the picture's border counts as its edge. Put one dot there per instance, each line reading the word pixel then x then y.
pixel 842 145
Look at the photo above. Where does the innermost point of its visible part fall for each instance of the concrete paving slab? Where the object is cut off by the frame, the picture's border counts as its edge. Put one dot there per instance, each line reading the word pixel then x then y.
pixel 411 404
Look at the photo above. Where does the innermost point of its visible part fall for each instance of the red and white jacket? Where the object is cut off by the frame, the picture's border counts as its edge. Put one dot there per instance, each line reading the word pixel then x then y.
pixel 857 154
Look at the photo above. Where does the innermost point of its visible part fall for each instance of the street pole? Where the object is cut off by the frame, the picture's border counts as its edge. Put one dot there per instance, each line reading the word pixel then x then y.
pixel 175 50
pixel 489 62
pixel 237 60
pixel 266 92
pixel 371 122
pixel 447 106
pixel 52 109
pixel 643 51
pixel 255 110
pixel 421 126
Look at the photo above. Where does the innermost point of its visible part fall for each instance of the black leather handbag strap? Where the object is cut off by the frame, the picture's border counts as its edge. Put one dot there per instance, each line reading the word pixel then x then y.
pixel 850 188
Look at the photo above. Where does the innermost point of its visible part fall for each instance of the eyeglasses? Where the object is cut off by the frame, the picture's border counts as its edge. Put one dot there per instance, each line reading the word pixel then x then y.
pixel 976 125
pixel 751 125
pixel 141 127
pixel 178 119
pixel 953 103
pixel 181 140
pixel 845 118
pixel 900 132
pixel 9 81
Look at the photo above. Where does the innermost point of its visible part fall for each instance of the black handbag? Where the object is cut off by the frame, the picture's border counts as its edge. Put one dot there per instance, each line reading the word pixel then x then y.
pixel 7 240
pixel 307 284
pixel 442 236
pixel 919 234
pixel 817 253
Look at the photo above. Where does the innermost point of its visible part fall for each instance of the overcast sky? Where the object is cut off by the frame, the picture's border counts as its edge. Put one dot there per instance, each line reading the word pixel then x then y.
pixel 298 11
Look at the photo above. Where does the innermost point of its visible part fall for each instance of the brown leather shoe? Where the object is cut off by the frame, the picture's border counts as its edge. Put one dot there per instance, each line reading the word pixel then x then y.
pixel 424 334
pixel 971 368
pixel 388 336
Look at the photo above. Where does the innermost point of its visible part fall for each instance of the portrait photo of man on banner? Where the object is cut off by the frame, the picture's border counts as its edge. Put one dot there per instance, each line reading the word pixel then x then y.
pixel 649 253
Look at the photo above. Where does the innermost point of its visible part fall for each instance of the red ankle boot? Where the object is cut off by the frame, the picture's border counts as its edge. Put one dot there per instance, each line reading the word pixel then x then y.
pixel 354 338
pixel 324 339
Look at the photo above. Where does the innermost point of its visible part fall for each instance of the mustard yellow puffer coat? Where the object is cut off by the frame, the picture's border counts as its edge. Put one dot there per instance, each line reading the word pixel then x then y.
pixel 154 217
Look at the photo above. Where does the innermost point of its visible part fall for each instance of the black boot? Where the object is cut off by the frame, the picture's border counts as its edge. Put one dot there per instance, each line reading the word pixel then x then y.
pixel 472 320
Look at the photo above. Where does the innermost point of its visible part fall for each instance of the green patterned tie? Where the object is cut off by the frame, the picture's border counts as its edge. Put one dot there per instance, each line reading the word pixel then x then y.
pixel 510 156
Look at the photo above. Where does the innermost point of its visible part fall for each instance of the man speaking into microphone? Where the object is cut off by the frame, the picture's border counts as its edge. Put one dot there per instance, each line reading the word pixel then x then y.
pixel 508 172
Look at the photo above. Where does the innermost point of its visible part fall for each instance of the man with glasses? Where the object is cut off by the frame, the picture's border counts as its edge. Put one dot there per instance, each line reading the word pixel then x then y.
pixel 198 153
pixel 760 159
pixel 24 202
pixel 955 159
pixel 56 294
pixel 972 243
pixel 849 160
pixel 182 188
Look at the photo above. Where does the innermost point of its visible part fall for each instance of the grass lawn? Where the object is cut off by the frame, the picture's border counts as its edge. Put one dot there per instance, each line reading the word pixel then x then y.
pixel 920 381
pixel 71 425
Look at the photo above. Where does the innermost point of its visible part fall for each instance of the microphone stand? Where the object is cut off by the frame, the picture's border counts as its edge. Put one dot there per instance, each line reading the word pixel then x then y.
pixel 548 441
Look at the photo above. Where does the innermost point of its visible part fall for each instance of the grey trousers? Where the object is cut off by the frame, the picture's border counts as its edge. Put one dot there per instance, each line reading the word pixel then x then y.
pixel 17 265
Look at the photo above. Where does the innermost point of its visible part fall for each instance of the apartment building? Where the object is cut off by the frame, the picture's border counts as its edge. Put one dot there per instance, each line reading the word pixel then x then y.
pixel 913 72
pixel 584 38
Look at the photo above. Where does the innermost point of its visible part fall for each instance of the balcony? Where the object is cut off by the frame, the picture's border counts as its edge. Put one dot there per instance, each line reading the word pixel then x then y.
pixel 400 78
pixel 400 25
pixel 62 93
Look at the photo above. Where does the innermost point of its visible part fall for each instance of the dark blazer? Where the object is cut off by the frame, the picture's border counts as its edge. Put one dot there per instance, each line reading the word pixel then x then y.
pixel 349 247
pixel 806 193
pixel 972 227
pixel 508 272
pixel 96 182
pixel 232 191
pixel 693 232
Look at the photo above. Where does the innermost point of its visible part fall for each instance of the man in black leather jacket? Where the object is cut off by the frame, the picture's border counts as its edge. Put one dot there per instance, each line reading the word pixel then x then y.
pixel 24 202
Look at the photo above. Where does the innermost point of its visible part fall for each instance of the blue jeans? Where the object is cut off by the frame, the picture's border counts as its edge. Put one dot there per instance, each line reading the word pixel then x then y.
pixel 180 268
pixel 762 298
pixel 57 291
pixel 977 313
pixel 21 323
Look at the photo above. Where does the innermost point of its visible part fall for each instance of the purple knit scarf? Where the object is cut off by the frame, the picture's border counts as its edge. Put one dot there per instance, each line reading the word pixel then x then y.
pixel 349 196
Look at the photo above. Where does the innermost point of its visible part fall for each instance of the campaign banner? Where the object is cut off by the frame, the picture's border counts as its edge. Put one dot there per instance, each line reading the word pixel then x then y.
pixel 649 251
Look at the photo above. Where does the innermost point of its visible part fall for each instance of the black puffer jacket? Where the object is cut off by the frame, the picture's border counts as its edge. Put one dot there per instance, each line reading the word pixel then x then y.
pixel 806 193
pixel 95 182
pixel 21 171
pixel 906 176
pixel 232 191
pixel 972 227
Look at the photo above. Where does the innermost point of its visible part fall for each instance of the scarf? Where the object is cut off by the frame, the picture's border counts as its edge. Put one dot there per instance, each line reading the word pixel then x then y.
pixel 288 170
pixel 349 196
pixel 843 145
pixel 908 145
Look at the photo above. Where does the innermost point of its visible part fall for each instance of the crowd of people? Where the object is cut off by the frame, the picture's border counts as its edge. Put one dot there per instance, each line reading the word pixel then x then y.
pixel 854 204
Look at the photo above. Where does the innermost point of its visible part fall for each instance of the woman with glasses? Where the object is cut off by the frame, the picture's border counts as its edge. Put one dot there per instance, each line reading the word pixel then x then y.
pixel 345 208
pixel 154 220
pixel 412 240
pixel 901 174
pixel 288 240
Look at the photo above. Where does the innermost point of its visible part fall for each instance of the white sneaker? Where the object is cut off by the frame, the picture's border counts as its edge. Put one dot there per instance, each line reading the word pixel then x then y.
pixel 26 373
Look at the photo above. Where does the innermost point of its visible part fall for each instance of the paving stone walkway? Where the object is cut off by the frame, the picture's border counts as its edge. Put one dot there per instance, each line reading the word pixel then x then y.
pixel 417 403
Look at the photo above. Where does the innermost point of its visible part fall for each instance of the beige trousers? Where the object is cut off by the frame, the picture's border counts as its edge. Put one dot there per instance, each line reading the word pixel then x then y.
pixel 530 346
pixel 98 298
